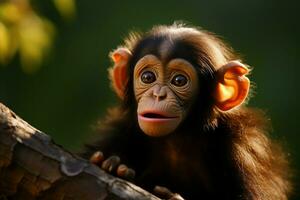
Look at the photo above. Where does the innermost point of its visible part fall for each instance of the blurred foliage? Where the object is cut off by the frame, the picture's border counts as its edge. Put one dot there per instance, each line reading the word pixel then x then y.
pixel 66 8
pixel 70 91
pixel 23 30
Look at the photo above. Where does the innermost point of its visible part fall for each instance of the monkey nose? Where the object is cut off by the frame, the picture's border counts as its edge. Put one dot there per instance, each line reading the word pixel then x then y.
pixel 159 93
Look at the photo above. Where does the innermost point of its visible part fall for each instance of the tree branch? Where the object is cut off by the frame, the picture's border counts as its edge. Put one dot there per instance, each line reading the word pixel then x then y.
pixel 32 166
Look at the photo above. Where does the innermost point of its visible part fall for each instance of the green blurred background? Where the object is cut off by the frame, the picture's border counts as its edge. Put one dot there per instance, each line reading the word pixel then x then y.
pixel 68 91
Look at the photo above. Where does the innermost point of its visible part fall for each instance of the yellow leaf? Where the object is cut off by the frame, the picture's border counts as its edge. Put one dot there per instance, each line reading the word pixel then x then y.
pixel 9 12
pixel 35 38
pixel 4 43
pixel 66 8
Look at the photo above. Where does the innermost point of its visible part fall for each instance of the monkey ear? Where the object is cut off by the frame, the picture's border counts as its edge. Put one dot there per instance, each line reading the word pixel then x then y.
pixel 233 86
pixel 118 72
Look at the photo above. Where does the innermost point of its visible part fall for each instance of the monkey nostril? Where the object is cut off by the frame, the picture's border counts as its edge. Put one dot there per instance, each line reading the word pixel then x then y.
pixel 163 96
pixel 160 96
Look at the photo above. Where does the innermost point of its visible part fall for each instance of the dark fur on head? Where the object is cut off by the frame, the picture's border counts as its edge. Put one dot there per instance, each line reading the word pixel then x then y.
pixel 213 154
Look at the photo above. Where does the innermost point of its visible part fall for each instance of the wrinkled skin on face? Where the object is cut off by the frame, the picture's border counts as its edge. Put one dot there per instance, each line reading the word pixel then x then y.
pixel 164 93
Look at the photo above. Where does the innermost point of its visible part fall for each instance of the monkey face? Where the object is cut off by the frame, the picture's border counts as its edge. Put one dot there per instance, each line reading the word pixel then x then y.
pixel 164 93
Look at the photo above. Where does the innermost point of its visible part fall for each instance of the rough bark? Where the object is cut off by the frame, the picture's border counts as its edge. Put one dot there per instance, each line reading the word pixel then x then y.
pixel 32 166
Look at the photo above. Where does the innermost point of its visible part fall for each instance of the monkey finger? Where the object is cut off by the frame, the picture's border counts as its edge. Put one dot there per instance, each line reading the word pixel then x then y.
pixel 176 197
pixel 111 163
pixel 163 192
pixel 97 158
pixel 124 172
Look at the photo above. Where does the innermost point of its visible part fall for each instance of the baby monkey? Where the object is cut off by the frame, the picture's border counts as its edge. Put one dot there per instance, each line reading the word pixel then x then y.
pixel 182 128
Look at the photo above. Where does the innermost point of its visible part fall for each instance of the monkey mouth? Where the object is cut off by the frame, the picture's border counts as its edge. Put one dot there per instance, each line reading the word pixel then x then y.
pixel 158 122
pixel 156 116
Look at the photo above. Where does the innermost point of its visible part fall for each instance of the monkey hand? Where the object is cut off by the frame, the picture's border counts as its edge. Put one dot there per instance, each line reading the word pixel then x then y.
pixel 112 165
pixel 165 193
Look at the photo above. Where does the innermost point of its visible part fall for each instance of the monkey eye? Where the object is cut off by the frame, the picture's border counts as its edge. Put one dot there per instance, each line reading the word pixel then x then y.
pixel 148 77
pixel 179 80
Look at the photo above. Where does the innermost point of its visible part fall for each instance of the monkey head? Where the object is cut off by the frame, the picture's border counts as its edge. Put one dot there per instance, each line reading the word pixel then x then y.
pixel 164 70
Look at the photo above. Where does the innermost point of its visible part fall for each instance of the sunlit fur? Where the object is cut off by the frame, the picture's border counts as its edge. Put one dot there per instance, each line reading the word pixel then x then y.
pixel 213 154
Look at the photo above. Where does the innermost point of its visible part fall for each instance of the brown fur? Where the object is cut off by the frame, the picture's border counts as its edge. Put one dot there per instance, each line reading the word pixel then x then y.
pixel 214 154
pixel 260 160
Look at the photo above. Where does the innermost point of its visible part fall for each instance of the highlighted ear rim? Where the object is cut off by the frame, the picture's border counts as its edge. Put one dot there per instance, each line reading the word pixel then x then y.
pixel 118 72
pixel 232 87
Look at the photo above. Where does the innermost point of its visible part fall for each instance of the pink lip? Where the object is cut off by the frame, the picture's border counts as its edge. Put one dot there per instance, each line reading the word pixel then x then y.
pixel 161 116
